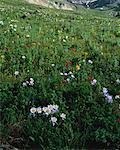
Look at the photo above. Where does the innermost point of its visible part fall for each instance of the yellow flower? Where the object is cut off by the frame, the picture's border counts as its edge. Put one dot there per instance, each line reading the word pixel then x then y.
pixel 77 67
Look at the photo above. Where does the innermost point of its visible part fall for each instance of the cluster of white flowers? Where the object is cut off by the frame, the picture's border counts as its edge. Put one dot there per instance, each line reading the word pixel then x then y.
pixel 93 82
pixel 108 97
pixel 70 75
pixel 48 110
pixel 1 23
pixel 30 82
pixel 13 27
pixel 90 61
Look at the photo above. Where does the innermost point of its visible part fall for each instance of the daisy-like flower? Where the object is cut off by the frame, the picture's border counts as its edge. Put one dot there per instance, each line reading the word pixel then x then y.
pixel 93 82
pixel 53 120
pixel 33 110
pixel 63 116
pixel 16 73
pixel 90 61
pixel 39 110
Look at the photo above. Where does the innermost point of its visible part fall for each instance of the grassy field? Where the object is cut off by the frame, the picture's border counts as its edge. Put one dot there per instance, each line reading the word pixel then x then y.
pixel 60 78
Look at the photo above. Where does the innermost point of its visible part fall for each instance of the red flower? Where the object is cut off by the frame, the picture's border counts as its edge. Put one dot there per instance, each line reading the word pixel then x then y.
pixel 118 120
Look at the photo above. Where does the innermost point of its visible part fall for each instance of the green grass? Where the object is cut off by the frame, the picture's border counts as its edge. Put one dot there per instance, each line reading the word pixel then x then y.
pixel 65 39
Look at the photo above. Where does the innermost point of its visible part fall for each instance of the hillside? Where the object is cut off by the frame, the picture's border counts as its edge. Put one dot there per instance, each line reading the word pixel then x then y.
pixel 59 78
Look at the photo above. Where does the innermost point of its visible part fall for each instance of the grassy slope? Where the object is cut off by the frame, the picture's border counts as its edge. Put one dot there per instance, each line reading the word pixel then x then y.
pixel 52 32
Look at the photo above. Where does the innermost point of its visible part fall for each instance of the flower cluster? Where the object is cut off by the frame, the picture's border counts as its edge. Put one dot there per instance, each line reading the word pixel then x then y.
pixel 48 111
pixel 93 82
pixel 29 82
pixel 108 97
pixel 68 76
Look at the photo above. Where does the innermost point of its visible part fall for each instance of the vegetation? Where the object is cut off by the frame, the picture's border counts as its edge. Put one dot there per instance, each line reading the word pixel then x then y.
pixel 60 78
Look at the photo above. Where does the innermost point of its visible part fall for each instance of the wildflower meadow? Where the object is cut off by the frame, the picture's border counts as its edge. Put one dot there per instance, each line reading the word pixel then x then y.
pixel 60 78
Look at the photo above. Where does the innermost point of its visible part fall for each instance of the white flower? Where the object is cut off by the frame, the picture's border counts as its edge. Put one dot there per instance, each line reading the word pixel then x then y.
pixel 61 74
pixel 27 36
pixel 117 97
pixel 93 82
pixel 14 29
pixel 31 79
pixel 68 79
pixel 1 23
pixel 90 61
pixel 31 83
pixel 39 110
pixel 63 116
pixel 109 98
pixel 24 84
pixel 53 120
pixel 16 73
pixel 33 110
pixel 64 40
pixel 65 74
pixel 15 26
pixel 23 57
pixel 55 108
pixel 70 73
pixel 46 110
pixel 66 37
pixel 53 65
pixel 118 81
pixel 72 76
pixel 83 60
pixel 105 91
